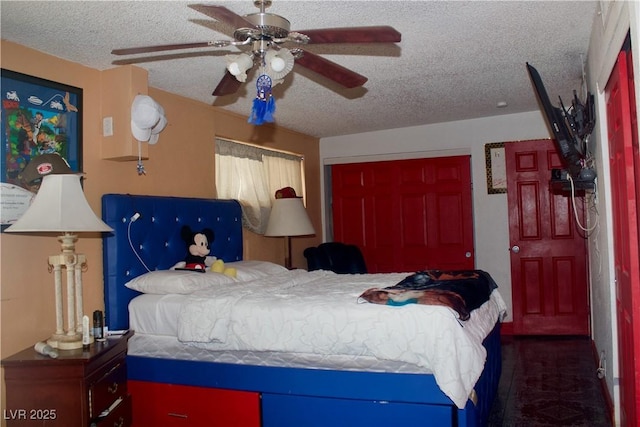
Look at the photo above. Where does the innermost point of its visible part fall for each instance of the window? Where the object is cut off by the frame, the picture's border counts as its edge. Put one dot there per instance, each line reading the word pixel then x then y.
pixel 252 175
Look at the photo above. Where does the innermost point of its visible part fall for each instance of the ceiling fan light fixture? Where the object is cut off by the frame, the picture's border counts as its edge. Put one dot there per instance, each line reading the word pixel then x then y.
pixel 238 65
pixel 279 63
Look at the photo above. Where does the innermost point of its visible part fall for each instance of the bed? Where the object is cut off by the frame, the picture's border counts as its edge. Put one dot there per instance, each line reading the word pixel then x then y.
pixel 254 383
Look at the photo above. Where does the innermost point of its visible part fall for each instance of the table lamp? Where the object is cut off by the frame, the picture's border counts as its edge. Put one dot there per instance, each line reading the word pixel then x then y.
pixel 288 218
pixel 60 206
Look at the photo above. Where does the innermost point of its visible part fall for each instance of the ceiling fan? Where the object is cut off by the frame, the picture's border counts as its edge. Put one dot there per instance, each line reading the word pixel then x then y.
pixel 266 35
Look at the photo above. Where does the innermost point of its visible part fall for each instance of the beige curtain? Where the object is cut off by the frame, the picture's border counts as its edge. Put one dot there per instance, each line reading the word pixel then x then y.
pixel 252 175
pixel 282 172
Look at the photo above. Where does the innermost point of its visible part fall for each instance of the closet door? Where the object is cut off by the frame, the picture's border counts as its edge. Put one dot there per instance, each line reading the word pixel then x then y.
pixel 623 159
pixel 406 215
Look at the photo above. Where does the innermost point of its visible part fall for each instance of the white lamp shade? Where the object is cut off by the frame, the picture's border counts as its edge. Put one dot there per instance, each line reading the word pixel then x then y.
pixel 59 206
pixel 279 63
pixel 238 65
pixel 289 218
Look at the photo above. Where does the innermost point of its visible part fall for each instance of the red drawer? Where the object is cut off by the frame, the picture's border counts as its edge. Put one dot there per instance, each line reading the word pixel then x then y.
pixel 158 404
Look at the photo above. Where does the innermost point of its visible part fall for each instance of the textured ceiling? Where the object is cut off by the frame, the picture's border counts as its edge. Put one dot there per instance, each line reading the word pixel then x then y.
pixel 456 60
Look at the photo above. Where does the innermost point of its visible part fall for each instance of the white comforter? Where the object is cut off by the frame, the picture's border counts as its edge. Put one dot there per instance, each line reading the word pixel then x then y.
pixel 319 312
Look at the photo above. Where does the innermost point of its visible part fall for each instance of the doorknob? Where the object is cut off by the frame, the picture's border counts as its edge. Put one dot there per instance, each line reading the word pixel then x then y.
pixel 515 249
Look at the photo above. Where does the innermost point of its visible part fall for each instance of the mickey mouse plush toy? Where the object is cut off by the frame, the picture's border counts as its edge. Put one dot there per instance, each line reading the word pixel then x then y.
pixel 198 247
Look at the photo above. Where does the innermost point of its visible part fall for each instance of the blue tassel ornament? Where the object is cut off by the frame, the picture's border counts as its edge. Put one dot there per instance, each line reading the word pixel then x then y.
pixel 264 105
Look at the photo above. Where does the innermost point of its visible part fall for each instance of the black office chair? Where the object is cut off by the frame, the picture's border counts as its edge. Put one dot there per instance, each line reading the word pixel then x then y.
pixel 338 257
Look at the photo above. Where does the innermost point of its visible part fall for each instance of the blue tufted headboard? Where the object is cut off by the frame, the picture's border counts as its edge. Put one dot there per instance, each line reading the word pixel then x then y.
pixel 156 237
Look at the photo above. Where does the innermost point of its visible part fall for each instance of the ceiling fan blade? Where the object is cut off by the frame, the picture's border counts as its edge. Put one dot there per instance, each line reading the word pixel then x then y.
pixel 378 34
pixel 227 86
pixel 331 70
pixel 146 49
pixel 223 14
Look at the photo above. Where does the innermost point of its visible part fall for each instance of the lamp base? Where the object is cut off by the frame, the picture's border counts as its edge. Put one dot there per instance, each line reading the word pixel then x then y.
pixel 65 342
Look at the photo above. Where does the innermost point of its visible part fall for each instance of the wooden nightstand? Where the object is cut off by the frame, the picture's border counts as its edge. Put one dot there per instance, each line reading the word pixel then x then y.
pixel 75 390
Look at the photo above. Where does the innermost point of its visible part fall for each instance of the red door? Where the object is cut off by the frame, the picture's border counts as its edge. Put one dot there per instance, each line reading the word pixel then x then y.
pixel 406 215
pixel 625 235
pixel 548 253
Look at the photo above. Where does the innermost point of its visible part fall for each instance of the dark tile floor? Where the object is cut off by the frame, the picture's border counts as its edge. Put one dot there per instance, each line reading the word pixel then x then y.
pixel 549 382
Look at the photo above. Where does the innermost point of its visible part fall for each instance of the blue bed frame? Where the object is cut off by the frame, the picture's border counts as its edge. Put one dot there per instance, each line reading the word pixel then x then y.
pixel 289 396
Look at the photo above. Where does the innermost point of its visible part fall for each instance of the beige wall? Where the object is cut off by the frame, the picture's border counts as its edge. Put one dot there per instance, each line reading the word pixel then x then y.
pixel 181 164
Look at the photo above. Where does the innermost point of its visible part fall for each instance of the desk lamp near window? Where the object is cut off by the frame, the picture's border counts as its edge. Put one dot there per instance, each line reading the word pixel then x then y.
pixel 60 207
pixel 288 218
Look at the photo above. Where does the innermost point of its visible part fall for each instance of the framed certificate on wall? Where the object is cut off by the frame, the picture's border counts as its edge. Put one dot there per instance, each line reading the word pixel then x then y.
pixel 496 168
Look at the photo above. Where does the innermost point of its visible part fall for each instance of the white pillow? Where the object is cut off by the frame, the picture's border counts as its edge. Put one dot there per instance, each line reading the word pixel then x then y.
pixel 163 282
pixel 251 270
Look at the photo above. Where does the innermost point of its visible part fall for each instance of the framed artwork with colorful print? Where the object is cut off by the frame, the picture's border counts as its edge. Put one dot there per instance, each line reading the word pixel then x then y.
pixel 39 117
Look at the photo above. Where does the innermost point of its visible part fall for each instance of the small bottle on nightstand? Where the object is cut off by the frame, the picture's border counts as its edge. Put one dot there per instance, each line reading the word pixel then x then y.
pixel 98 325
pixel 86 337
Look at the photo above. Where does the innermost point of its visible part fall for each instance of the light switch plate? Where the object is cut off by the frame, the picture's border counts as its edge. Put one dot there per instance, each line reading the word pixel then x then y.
pixel 107 126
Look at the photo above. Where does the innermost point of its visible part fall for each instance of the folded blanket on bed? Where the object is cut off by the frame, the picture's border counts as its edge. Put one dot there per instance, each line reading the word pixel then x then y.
pixel 461 290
